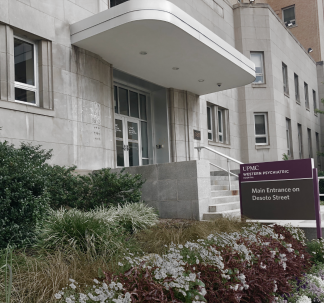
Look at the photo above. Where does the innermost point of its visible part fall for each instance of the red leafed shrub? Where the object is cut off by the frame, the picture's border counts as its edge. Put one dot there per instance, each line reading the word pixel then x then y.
pixel 275 262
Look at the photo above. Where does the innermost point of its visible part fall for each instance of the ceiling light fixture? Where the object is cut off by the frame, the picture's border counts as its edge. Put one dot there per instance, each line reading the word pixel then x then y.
pixel 175 68
pixel 143 53
pixel 201 80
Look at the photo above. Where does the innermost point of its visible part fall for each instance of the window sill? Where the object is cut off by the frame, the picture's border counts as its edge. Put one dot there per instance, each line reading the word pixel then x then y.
pixel 26 108
pixel 261 85
pixel 298 102
pixel 287 95
pixel 289 27
pixel 224 145
pixel 316 114
pixel 307 109
pixel 262 147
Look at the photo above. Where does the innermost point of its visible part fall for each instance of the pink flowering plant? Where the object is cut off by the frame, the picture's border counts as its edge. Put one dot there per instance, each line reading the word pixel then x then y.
pixel 255 265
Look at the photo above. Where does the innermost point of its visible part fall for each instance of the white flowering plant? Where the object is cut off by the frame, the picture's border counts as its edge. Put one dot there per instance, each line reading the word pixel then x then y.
pixel 254 265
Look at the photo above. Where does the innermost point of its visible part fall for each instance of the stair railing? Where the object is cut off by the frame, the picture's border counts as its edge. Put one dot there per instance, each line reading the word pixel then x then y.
pixel 229 159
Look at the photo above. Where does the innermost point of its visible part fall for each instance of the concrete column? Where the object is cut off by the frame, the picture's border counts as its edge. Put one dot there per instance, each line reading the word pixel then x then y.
pixel 45 74
pixel 184 116
pixel 6 63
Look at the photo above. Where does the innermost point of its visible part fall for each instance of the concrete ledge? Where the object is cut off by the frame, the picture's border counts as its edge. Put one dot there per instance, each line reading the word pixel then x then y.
pixel 26 108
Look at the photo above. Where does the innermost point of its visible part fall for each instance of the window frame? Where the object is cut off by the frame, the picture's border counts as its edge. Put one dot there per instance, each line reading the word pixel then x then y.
pixel 211 130
pixel 262 64
pixel 314 101
pixel 283 16
pixel 318 149
pixel 288 138
pixel 297 94
pixel 220 133
pixel 300 141
pixel 33 88
pixel 285 79
pixel 306 93
pixel 266 135
pixel 309 139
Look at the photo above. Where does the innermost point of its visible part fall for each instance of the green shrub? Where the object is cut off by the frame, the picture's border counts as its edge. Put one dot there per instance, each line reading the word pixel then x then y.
pixel 95 230
pixel 99 188
pixel 316 250
pixel 23 198
pixel 136 216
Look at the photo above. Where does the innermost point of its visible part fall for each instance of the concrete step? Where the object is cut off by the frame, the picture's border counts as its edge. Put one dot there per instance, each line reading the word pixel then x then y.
pixel 225 199
pixel 224 187
pixel 224 207
pixel 223 182
pixel 223 178
pixel 217 215
pixel 222 193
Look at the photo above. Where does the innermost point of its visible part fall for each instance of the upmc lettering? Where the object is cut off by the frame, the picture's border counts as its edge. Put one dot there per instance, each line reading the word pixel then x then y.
pixel 249 168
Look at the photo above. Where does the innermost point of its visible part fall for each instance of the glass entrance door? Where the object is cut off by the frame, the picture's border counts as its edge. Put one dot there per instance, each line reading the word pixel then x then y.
pixel 127 142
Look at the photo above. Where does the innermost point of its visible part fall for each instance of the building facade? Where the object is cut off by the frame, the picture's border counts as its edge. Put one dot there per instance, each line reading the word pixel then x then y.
pixel 134 83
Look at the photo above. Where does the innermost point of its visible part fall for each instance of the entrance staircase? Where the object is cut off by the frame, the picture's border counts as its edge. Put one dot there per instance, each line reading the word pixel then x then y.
pixel 225 202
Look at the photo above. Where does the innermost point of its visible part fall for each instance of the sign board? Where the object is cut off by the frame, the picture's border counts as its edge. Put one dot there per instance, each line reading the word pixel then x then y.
pixel 282 190
pixel 197 135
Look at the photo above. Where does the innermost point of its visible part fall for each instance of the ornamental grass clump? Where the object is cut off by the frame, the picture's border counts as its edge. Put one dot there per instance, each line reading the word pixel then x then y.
pixel 254 265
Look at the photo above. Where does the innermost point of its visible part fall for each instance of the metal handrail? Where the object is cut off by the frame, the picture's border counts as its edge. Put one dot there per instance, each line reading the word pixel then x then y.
pixel 319 178
pixel 199 148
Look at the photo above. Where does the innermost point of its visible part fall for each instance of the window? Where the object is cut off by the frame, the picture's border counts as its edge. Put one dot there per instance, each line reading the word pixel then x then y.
pixel 209 123
pixel 116 2
pixel 261 129
pixel 306 95
pixel 318 149
pixel 25 60
pixel 288 138
pixel 296 80
pixel 300 141
pixel 257 59
pixel 220 125
pixel 314 101
pixel 289 16
pixel 217 124
pixel 285 78
pixel 310 150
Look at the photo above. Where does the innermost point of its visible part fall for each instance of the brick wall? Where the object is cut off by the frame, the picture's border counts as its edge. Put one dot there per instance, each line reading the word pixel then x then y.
pixel 307 24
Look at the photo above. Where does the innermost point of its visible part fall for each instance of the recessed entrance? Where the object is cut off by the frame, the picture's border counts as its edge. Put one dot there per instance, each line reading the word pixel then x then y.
pixel 131 127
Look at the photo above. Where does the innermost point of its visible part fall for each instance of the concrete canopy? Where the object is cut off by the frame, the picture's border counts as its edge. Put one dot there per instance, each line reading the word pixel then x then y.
pixel 180 52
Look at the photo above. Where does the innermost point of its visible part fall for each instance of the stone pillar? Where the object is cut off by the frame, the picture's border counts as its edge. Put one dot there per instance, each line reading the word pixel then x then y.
pixel 7 75
pixel 184 114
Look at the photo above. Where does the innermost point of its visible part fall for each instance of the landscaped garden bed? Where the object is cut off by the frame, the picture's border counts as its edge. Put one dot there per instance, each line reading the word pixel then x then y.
pixel 69 238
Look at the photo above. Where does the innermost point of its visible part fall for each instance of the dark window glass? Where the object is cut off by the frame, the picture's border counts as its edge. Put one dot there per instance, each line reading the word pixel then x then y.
pixel 120 153
pixel 145 162
pixel 143 107
pixel 119 128
pixel 123 101
pixel 24 62
pixel 210 137
pixel 116 99
pixel 289 16
pixel 133 154
pixel 132 131
pixel 261 140
pixel 133 100
pixel 116 2
pixel 260 125
pixel 25 95
pixel 209 118
pixel 296 87
pixel 144 140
